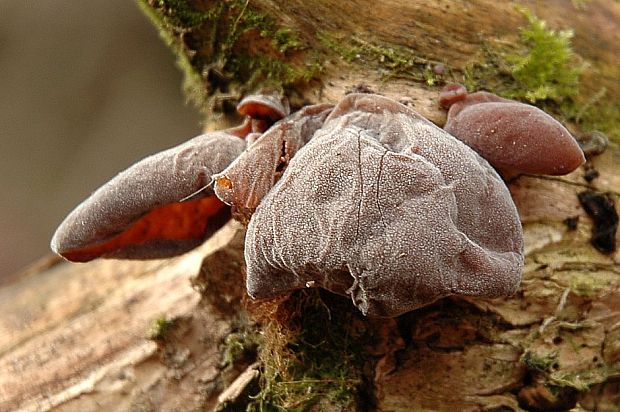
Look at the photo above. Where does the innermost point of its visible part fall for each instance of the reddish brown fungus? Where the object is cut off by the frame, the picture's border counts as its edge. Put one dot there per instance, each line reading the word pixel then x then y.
pixel 247 180
pixel 366 199
pixel 451 94
pixel 140 214
pixel 360 213
pixel 271 107
pixel 514 137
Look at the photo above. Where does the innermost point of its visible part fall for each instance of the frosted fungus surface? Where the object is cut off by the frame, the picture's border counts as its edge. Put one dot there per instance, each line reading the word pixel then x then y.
pixel 249 178
pixel 382 206
pixel 366 199
pixel 264 106
pixel 138 214
pixel 144 212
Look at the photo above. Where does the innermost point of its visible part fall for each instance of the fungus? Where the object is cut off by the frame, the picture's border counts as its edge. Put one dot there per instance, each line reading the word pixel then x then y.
pixel 163 205
pixel 248 179
pixel 593 143
pixel 514 137
pixel 271 107
pixel 383 206
pixel 366 199
pixel 451 94
pixel 139 213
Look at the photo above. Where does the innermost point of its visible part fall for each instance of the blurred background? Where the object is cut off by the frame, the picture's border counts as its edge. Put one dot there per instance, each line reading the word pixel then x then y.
pixel 86 89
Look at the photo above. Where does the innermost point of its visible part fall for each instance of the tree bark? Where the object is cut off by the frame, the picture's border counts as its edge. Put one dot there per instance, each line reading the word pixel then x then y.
pixel 179 334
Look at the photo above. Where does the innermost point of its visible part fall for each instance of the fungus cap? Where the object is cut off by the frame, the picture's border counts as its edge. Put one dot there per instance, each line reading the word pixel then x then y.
pixel 512 136
pixel 271 107
pixel 451 94
pixel 383 206
pixel 139 213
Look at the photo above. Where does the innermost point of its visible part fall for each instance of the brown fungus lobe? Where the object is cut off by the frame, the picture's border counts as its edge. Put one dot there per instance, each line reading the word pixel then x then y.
pixel 162 206
pixel 271 107
pixel 247 180
pixel 513 137
pixel 383 206
pixel 368 200
pixel 139 213
pixel 451 94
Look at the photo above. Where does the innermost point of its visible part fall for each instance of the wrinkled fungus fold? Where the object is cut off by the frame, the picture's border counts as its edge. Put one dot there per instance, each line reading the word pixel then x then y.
pixel 366 199
pixel 385 207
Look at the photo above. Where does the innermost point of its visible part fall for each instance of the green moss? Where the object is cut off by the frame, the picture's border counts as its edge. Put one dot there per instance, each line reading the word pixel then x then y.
pixel 160 327
pixel 599 112
pixel 227 48
pixel 285 39
pixel 392 61
pixel 587 284
pixel 548 70
pixel 241 346
pixel 346 51
pixel 193 86
pixel 313 357
pixel 581 380
pixel 543 69
pixel 179 13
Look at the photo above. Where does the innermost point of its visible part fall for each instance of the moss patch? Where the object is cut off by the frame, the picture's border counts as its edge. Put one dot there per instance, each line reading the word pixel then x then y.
pixel 391 61
pixel 160 327
pixel 227 48
pixel 241 346
pixel 313 354
pixel 537 362
pixel 542 69
pixel 548 70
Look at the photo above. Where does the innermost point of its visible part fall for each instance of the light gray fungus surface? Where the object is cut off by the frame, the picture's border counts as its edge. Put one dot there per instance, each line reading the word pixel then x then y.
pixel 366 199
pixel 139 214
pixel 380 205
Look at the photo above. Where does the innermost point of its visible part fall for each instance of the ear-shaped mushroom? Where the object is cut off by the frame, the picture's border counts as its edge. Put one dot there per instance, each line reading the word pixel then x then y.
pixel 140 214
pixel 383 206
pixel 451 94
pixel 249 178
pixel 268 108
pixel 514 137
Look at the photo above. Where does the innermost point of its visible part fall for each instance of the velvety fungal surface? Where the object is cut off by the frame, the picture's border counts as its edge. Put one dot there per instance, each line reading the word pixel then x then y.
pixel 451 94
pixel 248 179
pixel 139 213
pixel 512 136
pixel 366 199
pixel 383 206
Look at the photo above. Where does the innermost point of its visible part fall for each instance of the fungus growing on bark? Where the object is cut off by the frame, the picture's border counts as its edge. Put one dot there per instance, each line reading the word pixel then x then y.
pixel 383 206
pixel 248 179
pixel 514 137
pixel 163 205
pixel 366 199
pixel 451 94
